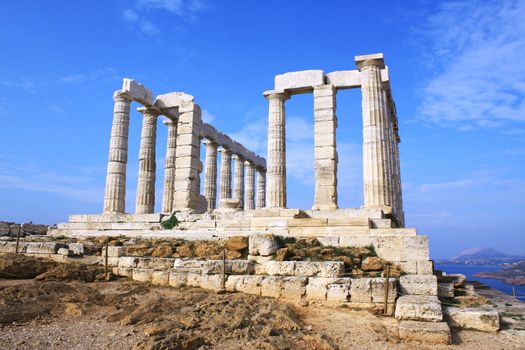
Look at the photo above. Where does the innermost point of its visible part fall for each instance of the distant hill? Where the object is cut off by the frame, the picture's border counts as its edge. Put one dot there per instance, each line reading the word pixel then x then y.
pixel 482 256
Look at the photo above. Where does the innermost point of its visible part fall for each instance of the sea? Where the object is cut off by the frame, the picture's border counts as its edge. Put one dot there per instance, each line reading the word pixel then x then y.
pixel 471 270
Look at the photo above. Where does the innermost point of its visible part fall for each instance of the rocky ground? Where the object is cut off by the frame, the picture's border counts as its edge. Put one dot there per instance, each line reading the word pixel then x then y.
pixel 64 306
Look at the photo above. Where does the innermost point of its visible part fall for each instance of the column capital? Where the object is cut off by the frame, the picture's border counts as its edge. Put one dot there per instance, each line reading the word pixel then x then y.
pixel 210 143
pixel 149 110
pixel 237 157
pixel 120 95
pixel 225 150
pixel 373 60
pixel 249 163
pixel 276 94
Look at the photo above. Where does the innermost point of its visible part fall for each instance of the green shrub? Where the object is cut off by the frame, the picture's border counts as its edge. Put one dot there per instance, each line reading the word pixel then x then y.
pixel 170 223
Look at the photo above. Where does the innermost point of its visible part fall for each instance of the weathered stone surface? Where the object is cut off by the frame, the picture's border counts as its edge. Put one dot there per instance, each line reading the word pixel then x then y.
pixel 44 247
pixel 378 289
pixel 294 287
pixel 299 81
pixel 4 228
pixel 142 275
pixel 237 243
pixel 251 285
pixel 34 229
pixel 280 268
pixel 418 284
pixel 233 283
pixel 361 290
pixel 113 251
pixel 137 91
pixel 272 286
pixel 337 293
pixel 178 279
pixel 316 288
pixel 481 319
pixel 160 277
pixel 446 290
pixel 418 308
pixel 76 248
pixel 63 251
pixel 263 244
pixel 425 332
pixel 155 263
pixel 211 282
pixel 127 262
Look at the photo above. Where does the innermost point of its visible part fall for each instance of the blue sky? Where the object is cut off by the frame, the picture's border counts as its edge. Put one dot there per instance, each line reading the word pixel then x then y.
pixel 457 74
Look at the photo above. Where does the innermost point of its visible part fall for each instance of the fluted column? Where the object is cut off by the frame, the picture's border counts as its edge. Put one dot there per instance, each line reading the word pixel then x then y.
pixel 375 151
pixel 145 202
pixel 399 189
pixel 261 188
pixel 249 192
pixel 238 183
pixel 210 176
pixel 115 194
pixel 325 152
pixel 276 187
pixel 225 187
pixel 169 167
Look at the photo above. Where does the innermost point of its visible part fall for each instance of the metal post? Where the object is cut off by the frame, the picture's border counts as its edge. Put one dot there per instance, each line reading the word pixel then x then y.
pixel 223 273
pixel 514 293
pixel 106 259
pixel 17 238
pixel 386 288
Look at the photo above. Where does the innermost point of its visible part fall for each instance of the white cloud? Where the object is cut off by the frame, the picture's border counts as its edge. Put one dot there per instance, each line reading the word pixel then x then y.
pixel 130 16
pixel 477 81
pixel 148 28
pixel 207 117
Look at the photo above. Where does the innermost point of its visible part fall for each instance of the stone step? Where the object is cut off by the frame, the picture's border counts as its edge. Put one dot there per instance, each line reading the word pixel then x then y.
pixel 419 308
pixel 478 318
pixel 425 332
pixel 109 218
pixel 108 226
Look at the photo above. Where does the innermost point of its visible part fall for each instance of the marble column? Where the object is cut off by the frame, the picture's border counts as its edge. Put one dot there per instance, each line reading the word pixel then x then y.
pixel 115 194
pixel 249 193
pixel 261 188
pixel 225 186
pixel 375 152
pixel 169 167
pixel 325 152
pixel 399 189
pixel 210 176
pixel 145 201
pixel 276 166
pixel 238 183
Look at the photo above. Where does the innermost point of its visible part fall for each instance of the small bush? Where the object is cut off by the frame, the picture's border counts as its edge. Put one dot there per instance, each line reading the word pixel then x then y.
pixel 170 223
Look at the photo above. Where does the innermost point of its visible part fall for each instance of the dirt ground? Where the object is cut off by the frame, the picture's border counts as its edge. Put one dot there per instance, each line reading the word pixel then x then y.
pixel 62 311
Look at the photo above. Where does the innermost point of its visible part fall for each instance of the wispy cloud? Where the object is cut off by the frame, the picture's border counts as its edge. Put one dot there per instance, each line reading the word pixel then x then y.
pixel 477 77
pixel 207 117
pixel 139 16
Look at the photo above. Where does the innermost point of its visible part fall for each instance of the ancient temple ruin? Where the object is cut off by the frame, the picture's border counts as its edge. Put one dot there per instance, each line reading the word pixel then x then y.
pixel 256 203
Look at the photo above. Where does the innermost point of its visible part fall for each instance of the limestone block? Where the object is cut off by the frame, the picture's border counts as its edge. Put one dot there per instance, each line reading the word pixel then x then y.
pixel 177 279
pixel 455 278
pixel 63 251
pixel 33 229
pixel 127 262
pixel 446 290
pixel 4 228
pixel 137 91
pixel 337 293
pixel 329 241
pixel 316 288
pixel 251 285
pixel 418 284
pixel 172 99
pixel 361 290
pixel 233 283
pixel 160 278
pixel 425 332
pixel 142 275
pixel 76 248
pixel 113 251
pixel 44 247
pixel 307 269
pixel 229 203
pixel 236 267
pixel 481 319
pixel 263 244
pixel 300 81
pixel 211 282
pixel 193 279
pixel 280 268
pixel 418 267
pixel 155 263
pixel 418 308
pixel 415 248
pixel 389 247
pixel 123 271
pixel 355 241
pixel 293 287
pixel 330 268
pixel 271 286
pixel 345 79
pixel 378 290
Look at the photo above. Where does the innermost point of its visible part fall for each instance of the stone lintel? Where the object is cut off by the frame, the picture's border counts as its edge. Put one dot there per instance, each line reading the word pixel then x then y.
pixel 209 132
pixel 137 91
pixel 375 59
pixel 344 79
pixel 172 99
pixel 299 82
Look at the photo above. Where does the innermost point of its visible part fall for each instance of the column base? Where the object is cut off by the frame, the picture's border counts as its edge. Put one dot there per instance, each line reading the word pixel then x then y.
pixel 385 208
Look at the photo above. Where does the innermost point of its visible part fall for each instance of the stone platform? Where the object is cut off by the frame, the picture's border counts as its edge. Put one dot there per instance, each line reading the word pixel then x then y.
pixel 337 228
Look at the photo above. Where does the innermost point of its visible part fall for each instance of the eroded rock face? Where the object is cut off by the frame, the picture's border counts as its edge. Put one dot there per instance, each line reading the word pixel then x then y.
pixel 481 319
pixel 263 244
pixel 418 284
pixel 372 263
